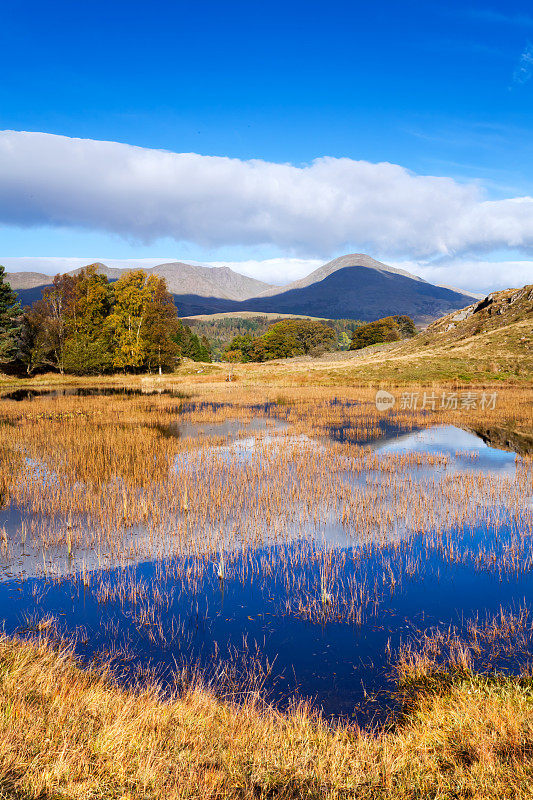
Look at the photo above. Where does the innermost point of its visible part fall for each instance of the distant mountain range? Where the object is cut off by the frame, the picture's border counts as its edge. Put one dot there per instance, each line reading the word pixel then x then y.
pixel 354 286
pixel 181 278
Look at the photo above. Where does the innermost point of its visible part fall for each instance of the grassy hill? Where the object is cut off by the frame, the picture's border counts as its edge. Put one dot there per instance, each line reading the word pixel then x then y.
pixel 497 310
pixel 494 335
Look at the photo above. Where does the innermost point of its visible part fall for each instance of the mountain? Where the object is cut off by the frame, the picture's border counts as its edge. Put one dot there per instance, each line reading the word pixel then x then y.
pixel 358 287
pixel 319 274
pixel 354 286
pixel 217 283
pixel 184 279
pixel 359 259
pixel 26 280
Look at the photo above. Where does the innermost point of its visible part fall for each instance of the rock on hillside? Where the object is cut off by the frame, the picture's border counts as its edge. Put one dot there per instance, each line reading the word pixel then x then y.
pixel 495 311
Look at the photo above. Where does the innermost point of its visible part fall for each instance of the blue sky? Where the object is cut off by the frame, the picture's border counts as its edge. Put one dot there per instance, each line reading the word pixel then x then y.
pixel 439 89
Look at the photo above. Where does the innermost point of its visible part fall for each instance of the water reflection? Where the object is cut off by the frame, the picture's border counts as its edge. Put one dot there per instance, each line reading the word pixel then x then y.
pixel 168 608
pixel 463 449
pixel 18 395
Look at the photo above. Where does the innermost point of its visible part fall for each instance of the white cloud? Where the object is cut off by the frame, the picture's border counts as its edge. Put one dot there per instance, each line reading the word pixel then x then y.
pixel 273 270
pixel 472 275
pixel 524 70
pixel 329 206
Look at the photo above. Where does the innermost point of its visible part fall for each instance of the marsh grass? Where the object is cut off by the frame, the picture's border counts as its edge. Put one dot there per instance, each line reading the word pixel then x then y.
pixel 71 733
pixel 89 471
pixel 100 482
pixel 107 481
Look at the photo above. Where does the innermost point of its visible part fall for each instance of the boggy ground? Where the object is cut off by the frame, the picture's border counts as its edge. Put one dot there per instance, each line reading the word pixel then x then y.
pixel 86 470
pixel 94 471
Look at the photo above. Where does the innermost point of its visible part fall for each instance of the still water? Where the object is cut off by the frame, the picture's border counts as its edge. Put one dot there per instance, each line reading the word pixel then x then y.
pixel 314 614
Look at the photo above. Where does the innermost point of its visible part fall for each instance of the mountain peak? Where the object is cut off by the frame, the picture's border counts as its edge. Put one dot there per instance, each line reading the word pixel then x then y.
pixel 362 260
pixel 342 262
pixel 356 286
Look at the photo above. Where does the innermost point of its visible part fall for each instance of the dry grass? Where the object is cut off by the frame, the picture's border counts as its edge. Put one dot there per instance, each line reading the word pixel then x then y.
pixel 66 733
pixel 106 475
pixel 496 356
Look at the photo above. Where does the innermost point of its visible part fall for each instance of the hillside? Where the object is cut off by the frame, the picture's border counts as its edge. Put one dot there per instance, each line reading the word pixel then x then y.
pixel 488 342
pixel 497 310
pixel 494 335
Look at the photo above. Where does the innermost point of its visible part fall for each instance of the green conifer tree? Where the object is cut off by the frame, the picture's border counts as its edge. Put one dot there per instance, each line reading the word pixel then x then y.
pixel 10 320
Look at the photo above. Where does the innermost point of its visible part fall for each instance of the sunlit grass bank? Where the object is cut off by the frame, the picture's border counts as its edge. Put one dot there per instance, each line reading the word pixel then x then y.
pixel 69 733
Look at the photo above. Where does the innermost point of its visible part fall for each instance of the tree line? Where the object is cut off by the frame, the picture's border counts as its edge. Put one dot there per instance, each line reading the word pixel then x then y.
pixel 221 331
pixel 296 337
pixel 285 339
pixel 85 325
pixel 388 329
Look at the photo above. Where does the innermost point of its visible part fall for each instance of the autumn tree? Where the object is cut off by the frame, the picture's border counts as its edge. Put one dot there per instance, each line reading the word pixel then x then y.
pixel 144 322
pixel 50 317
pixel 131 296
pixel 159 327
pixel 387 329
pixel 242 345
pixel 68 328
pixel 87 326
pixel 27 354
pixel 278 342
pixel 344 341
pixel 89 344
